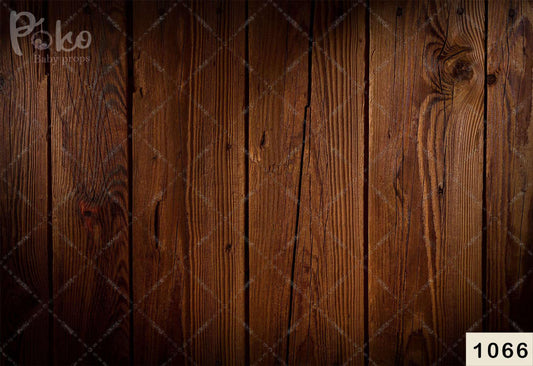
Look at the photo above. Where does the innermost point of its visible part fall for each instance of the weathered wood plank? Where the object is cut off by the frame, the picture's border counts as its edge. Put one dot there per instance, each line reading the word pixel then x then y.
pixel 216 190
pixel 425 179
pixel 278 58
pixel 218 177
pixel 509 166
pixel 24 283
pixel 306 169
pixel 189 183
pixel 327 324
pixel 161 239
pixel 90 187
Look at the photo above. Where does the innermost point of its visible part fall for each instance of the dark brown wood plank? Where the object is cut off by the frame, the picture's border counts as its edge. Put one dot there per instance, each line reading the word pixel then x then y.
pixel 425 179
pixel 90 187
pixel 215 176
pixel 509 166
pixel 24 284
pixel 278 58
pixel 160 153
pixel 189 183
pixel 328 303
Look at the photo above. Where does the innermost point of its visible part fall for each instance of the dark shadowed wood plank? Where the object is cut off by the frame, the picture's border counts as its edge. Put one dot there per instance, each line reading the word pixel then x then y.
pixel 215 176
pixel 24 285
pixel 328 300
pixel 189 183
pixel 278 55
pixel 90 187
pixel 509 166
pixel 161 238
pixel 425 179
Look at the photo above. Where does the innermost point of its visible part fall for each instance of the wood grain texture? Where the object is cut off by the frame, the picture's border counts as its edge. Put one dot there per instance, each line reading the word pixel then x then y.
pixel 160 234
pixel 90 187
pixel 327 324
pixel 425 179
pixel 24 289
pixel 240 135
pixel 189 183
pixel 216 189
pixel 278 58
pixel 509 166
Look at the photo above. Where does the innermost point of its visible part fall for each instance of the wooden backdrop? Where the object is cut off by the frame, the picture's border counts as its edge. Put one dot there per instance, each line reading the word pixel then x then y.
pixel 266 182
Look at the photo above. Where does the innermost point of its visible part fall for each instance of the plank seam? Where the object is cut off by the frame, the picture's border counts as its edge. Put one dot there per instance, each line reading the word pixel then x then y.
pixel 247 187
pixel 484 189
pixel 49 231
pixel 129 118
pixel 366 345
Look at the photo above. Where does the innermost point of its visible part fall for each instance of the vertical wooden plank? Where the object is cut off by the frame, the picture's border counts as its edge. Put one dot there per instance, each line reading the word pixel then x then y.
pixel 509 166
pixel 24 285
pixel 156 242
pixel 327 324
pixel 90 186
pixel 189 183
pixel 425 179
pixel 216 178
pixel 278 58
pixel 161 238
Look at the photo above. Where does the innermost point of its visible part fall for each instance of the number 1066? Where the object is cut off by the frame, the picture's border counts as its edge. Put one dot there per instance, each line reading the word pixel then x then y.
pixel 507 350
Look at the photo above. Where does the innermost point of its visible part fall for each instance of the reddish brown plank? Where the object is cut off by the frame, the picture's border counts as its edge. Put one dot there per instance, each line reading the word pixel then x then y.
pixel 24 285
pixel 278 58
pixel 189 183
pixel 328 300
pixel 90 187
pixel 425 179
pixel 215 177
pixel 160 232
pixel 509 166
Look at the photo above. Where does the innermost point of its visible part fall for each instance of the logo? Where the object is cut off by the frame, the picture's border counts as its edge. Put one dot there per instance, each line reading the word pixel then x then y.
pixel 24 23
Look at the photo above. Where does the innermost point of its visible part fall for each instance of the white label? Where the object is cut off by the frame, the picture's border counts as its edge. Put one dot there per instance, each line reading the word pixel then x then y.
pixel 502 349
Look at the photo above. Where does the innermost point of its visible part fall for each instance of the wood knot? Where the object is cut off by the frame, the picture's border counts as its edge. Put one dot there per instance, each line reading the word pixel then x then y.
pixel 89 214
pixel 399 12
pixel 87 210
pixel 491 79
pixel 462 70
pixel 511 13
pixel 228 247
pixel 228 146
pixel 460 11
pixel 262 143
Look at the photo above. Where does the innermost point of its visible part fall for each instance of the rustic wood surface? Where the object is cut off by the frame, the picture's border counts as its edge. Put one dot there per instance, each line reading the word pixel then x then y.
pixel 90 188
pixel 278 99
pixel 426 180
pixel 24 229
pixel 188 183
pixel 509 166
pixel 328 295
pixel 159 143
pixel 265 182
